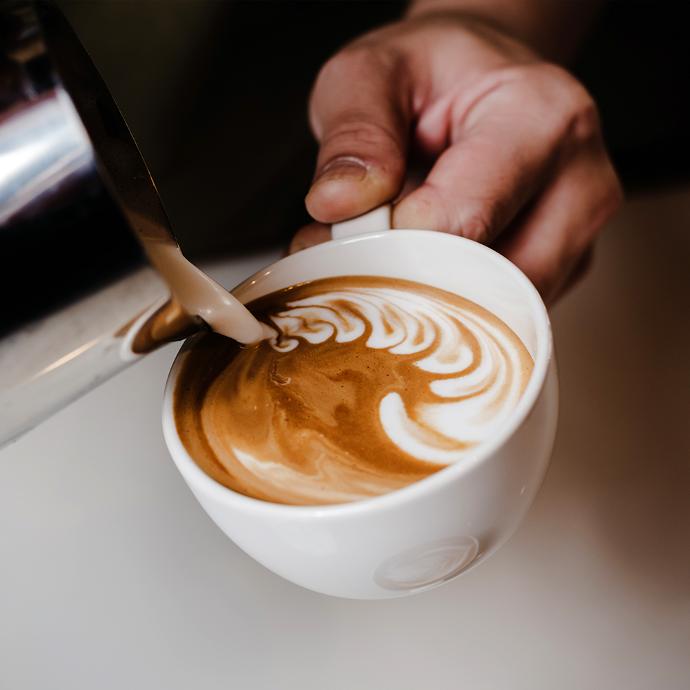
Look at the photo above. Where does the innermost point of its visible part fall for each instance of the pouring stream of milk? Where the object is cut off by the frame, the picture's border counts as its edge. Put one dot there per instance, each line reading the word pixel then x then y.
pixel 199 295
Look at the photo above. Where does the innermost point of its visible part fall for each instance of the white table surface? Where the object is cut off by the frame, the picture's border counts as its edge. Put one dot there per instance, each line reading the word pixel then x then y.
pixel 113 577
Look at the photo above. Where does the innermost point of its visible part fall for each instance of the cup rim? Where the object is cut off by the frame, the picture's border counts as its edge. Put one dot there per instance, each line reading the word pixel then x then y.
pixel 198 479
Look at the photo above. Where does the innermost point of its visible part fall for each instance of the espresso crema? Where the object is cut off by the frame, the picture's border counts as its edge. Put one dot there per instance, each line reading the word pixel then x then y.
pixel 368 385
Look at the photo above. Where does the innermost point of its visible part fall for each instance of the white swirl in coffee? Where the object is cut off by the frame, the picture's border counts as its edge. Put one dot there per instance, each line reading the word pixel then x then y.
pixel 370 384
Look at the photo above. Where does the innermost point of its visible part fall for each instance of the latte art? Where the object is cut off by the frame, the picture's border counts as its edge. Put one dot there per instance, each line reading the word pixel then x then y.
pixel 368 385
pixel 479 368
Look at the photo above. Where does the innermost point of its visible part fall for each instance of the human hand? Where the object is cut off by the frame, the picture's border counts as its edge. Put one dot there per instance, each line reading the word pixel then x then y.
pixel 515 146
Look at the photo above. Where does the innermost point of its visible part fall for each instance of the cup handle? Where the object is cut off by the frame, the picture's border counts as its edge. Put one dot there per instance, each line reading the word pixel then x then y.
pixel 373 221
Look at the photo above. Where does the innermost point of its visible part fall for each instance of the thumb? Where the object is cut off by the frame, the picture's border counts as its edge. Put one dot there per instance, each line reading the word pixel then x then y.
pixel 359 112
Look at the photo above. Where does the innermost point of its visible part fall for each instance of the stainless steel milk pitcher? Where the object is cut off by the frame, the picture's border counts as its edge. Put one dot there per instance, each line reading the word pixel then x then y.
pixel 74 194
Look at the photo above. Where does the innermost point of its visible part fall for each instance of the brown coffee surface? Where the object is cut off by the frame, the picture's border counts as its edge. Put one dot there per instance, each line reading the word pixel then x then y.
pixel 370 384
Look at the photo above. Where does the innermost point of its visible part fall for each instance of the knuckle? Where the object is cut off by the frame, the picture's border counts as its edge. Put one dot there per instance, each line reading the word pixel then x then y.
pixel 576 116
pixel 334 68
pixel 368 128
pixel 584 118
pixel 568 112
pixel 355 59
pixel 333 71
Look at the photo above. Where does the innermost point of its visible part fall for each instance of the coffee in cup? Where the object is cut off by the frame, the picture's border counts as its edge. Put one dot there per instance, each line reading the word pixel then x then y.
pixel 369 384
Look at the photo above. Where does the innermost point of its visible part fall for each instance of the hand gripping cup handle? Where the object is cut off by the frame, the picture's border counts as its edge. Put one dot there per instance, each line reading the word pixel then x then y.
pixel 427 532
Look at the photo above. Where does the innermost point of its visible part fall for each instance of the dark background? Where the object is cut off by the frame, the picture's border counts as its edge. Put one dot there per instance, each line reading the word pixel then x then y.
pixel 215 93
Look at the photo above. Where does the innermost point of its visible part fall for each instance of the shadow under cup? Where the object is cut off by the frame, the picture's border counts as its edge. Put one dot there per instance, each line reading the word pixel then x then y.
pixel 430 531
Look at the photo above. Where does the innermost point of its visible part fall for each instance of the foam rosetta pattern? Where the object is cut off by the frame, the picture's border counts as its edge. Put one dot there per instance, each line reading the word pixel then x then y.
pixel 368 385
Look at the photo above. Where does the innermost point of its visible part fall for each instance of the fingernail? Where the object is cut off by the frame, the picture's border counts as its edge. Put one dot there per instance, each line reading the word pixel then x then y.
pixel 341 168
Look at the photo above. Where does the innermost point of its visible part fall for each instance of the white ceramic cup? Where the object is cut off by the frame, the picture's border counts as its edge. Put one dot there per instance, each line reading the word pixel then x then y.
pixel 428 532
